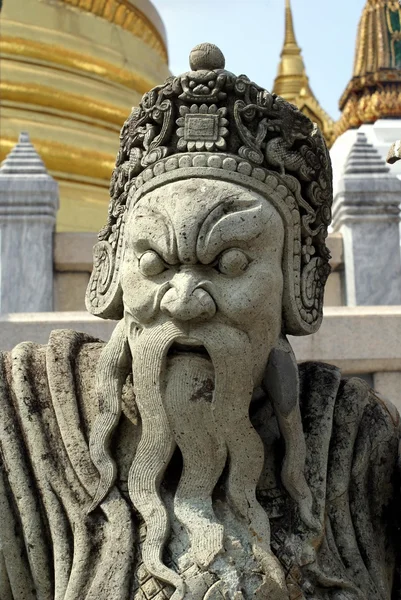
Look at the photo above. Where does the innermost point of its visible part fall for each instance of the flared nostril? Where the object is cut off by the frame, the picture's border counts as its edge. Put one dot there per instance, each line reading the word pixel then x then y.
pixel 198 305
pixel 204 299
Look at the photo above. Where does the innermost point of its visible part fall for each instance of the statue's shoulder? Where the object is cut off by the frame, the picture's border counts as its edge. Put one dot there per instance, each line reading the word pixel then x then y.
pixel 73 346
pixel 347 397
pixel 64 341
pixel 67 358
pixel 50 387
pixel 379 410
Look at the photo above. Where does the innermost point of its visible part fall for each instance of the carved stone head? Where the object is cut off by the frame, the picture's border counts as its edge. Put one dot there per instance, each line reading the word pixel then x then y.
pixel 199 252
pixel 210 142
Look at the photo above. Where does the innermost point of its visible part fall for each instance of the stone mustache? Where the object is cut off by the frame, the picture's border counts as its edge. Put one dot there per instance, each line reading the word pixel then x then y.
pixel 190 457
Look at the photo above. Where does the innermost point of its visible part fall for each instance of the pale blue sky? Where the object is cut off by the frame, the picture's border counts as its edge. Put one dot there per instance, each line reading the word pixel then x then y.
pixel 250 33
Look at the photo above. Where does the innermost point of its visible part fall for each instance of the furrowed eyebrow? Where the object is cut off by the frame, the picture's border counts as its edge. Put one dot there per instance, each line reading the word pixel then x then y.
pixel 227 224
pixel 153 231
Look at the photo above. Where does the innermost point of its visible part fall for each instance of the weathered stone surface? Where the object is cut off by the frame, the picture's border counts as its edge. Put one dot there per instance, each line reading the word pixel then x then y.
pixel 189 457
pixel 338 418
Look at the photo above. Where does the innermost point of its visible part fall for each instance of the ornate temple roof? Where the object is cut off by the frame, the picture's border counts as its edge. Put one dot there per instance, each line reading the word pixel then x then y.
pixel 374 91
pixel 292 82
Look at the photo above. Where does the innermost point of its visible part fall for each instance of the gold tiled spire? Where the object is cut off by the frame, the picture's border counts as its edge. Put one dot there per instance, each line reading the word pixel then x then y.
pixel 292 83
pixel 375 88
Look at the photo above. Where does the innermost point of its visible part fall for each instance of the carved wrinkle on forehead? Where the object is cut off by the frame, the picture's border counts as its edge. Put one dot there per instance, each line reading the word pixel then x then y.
pixel 197 222
pixel 227 224
pixel 151 228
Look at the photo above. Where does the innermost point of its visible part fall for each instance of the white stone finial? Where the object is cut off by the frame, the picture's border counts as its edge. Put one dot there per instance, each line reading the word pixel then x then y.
pixel 23 160
pixel 364 158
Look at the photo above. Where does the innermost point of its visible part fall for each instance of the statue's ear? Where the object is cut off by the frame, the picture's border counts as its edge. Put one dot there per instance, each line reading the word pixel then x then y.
pixel 104 294
pixel 306 256
pixel 305 261
pixel 303 295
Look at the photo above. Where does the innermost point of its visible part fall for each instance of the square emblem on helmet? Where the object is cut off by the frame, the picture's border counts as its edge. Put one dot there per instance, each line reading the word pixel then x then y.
pixel 201 127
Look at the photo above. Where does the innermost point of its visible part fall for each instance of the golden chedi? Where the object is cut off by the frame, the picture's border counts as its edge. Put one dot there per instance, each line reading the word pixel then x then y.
pixel 70 72
pixel 292 82
pixel 374 91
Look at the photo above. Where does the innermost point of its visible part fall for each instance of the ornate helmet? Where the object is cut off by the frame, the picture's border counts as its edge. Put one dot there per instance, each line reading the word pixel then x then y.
pixel 210 123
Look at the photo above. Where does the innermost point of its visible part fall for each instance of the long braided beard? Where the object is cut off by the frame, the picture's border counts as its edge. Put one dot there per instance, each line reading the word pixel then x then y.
pixel 200 403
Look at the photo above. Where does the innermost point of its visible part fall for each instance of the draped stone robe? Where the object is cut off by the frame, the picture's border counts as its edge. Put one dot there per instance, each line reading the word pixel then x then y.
pixel 51 549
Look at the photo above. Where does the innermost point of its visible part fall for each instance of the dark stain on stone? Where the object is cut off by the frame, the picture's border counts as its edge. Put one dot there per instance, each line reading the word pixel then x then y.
pixel 203 392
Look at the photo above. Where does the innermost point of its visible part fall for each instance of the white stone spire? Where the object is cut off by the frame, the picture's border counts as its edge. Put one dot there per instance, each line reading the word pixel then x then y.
pixel 28 208
pixel 366 212
pixel 364 158
pixel 23 159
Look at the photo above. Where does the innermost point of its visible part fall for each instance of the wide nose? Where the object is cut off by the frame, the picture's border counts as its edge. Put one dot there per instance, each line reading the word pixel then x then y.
pixel 186 299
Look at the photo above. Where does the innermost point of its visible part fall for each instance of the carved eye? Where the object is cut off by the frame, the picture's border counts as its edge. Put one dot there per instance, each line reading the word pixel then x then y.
pixel 233 262
pixel 150 264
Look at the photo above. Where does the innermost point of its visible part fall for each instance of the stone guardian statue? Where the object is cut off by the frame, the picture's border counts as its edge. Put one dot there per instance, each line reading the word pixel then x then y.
pixel 189 457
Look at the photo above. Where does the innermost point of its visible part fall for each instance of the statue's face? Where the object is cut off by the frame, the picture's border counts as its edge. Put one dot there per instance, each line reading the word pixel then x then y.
pixel 202 251
pixel 202 289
